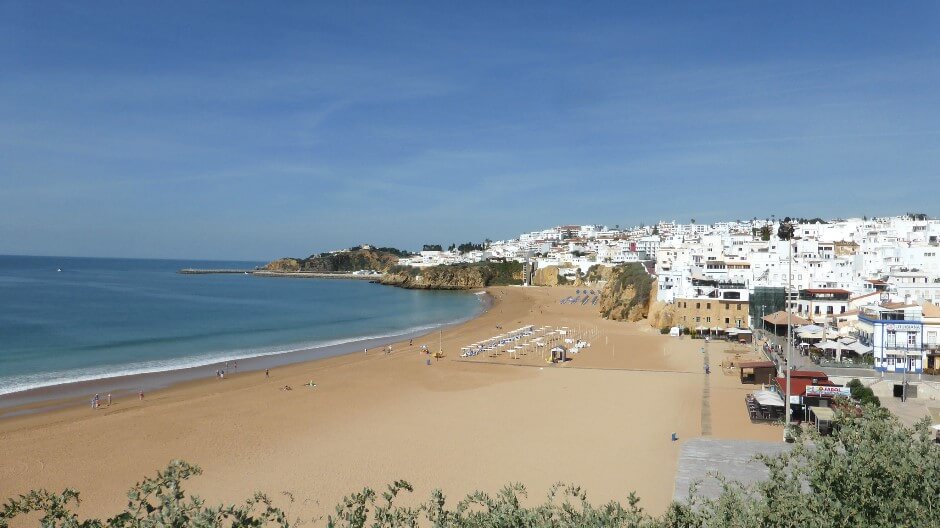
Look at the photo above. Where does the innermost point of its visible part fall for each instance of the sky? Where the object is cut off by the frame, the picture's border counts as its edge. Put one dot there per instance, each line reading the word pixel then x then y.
pixel 256 130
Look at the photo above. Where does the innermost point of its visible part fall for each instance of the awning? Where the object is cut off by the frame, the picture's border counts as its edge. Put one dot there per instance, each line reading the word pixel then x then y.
pixel 858 348
pixel 768 399
pixel 824 414
pixel 810 328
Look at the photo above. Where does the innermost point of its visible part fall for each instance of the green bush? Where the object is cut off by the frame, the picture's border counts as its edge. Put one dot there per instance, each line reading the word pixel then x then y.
pixel 863 394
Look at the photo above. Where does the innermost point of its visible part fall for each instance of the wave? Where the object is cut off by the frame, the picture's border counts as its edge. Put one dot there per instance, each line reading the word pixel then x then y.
pixel 14 384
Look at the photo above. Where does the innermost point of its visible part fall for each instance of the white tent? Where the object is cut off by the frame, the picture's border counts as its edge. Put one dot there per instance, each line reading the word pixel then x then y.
pixel 858 348
pixel 768 398
pixel 808 329
pixel 830 345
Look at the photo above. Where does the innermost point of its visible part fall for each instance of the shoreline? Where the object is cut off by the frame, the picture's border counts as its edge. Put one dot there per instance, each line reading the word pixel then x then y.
pixel 75 393
pixel 322 429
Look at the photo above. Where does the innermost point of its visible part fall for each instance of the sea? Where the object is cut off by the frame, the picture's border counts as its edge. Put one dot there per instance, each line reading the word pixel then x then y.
pixel 65 319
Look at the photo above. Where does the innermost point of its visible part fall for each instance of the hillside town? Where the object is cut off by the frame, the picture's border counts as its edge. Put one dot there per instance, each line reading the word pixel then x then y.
pixel 874 283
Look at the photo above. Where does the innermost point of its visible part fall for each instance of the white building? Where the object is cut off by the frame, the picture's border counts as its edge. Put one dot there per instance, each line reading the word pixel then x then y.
pixel 895 332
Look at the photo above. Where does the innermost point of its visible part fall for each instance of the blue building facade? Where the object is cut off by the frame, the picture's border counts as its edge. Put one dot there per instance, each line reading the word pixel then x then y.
pixel 896 335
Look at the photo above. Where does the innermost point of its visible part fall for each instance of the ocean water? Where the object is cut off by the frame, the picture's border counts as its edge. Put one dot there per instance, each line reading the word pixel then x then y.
pixel 99 318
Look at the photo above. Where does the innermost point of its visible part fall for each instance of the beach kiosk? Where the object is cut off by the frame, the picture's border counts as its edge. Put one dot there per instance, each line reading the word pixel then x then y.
pixel 765 406
pixel 559 353
pixel 757 372
pixel 822 417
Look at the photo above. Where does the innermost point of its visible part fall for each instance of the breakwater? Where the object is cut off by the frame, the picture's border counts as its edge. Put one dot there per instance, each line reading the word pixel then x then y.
pixel 287 274
pixel 196 271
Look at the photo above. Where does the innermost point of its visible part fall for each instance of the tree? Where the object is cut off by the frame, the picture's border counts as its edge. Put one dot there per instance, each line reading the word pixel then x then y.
pixel 785 230
pixel 765 233
pixel 432 247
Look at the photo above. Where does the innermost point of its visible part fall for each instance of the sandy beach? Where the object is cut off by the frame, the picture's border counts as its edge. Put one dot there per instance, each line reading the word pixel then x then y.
pixel 602 420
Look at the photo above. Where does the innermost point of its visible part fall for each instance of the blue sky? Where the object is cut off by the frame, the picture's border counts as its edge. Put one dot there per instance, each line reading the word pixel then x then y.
pixel 257 130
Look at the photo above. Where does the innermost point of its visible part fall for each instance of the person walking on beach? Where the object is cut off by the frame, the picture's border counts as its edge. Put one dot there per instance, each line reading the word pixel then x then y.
pixel 92 402
pixel 140 394
pixel 97 400
pixel 109 399
pixel 267 373
pixel 411 342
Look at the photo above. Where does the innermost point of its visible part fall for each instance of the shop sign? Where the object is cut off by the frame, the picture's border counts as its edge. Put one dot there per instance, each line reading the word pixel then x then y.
pixel 827 390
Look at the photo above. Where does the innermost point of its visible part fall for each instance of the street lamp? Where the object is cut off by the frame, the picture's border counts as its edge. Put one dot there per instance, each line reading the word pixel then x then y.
pixel 785 232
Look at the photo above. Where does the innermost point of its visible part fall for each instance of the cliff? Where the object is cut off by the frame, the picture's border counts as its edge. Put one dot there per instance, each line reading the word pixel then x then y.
pixel 346 261
pixel 547 276
pixel 627 294
pixel 455 276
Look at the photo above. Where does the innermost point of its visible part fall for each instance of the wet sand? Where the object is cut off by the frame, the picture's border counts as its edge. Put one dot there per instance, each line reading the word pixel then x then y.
pixel 602 420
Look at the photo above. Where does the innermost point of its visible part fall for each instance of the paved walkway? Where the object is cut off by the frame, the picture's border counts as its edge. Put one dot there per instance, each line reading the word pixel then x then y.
pixel 733 459
pixel 706 397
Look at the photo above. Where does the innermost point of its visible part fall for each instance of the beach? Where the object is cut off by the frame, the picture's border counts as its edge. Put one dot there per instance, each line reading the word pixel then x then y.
pixel 602 420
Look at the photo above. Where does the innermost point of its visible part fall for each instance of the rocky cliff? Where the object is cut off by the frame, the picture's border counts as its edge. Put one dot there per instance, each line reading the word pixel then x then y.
pixel 346 261
pixel 455 276
pixel 547 276
pixel 627 294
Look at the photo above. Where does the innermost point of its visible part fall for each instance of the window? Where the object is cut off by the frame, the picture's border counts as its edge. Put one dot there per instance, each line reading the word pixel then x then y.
pixel 727 320
pixel 698 305
pixel 739 307
pixel 891 338
pixel 842 310
pixel 708 319
pixel 830 310
pixel 708 306
pixel 698 319
pixel 931 338
pixel 912 339
pixel 816 311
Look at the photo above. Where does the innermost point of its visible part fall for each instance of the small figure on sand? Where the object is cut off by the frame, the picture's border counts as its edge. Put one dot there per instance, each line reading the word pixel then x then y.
pixel 287 388
pixel 140 394
pixel 109 399
pixel 267 373
pixel 411 342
